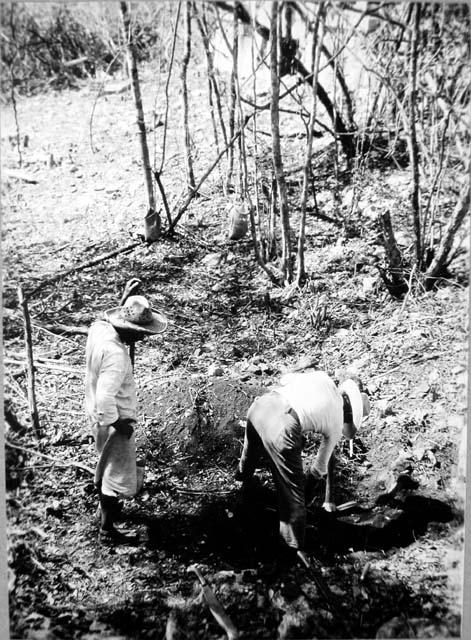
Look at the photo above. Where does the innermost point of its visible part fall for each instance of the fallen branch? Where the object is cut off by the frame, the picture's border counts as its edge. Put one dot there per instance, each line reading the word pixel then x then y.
pixel 81 267
pixel 45 365
pixel 21 175
pixel 73 63
pixel 202 492
pixel 61 328
pixel 62 463
pixel 33 409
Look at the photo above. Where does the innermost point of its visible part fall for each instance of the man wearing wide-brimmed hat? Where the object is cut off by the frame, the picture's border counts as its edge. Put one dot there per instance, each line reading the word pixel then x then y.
pixel 110 398
pixel 276 422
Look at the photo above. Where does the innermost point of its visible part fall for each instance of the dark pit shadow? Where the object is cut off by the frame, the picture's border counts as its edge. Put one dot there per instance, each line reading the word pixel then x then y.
pixel 242 530
pixel 395 524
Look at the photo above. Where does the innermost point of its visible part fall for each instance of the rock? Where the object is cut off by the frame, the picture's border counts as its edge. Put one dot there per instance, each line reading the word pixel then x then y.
pixel 403 239
pixel 212 260
pixel 369 284
pixel 295 625
pixel 402 627
pixel 215 370
pixel 347 197
pixel 384 407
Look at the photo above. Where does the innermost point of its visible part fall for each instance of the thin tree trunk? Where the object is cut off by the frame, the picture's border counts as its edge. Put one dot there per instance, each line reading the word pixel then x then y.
pixel 12 86
pixel 210 97
pixel 190 177
pixel 203 27
pixel 413 146
pixel 275 129
pixel 255 218
pixel 316 50
pixel 33 409
pixel 441 259
pixel 152 219
pixel 167 84
pixel 232 96
pixel 215 83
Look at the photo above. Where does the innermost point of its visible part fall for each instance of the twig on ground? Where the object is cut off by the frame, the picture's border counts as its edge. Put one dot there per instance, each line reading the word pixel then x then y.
pixel 81 267
pixel 45 365
pixel 57 329
pixel 62 463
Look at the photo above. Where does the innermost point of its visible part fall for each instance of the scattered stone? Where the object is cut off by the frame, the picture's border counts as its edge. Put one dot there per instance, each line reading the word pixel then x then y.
pixel 384 407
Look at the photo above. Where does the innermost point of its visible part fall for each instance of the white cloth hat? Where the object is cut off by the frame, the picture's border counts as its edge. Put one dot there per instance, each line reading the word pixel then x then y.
pixel 358 401
pixel 137 315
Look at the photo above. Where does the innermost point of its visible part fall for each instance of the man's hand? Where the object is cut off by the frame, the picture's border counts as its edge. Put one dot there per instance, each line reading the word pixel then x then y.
pixel 124 426
pixel 311 488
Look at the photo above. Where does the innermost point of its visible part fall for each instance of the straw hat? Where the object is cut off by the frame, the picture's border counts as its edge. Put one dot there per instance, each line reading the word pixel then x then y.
pixel 359 401
pixel 137 315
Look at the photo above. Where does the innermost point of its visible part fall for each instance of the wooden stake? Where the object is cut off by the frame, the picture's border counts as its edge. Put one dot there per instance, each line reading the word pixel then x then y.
pixel 33 409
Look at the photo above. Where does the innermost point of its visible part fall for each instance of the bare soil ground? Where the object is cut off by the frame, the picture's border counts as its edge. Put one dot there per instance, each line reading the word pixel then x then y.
pixel 400 558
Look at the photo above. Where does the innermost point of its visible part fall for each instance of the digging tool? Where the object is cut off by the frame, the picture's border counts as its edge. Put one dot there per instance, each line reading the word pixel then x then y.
pixel 314 573
pixel 132 286
pixel 215 606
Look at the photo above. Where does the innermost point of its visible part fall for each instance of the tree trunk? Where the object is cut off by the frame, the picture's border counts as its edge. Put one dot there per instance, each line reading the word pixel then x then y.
pixel 167 85
pixel 413 146
pixel 209 71
pixel 214 80
pixel 441 259
pixel 152 219
pixel 275 129
pixel 190 176
pixel 232 97
pixel 394 280
pixel 316 50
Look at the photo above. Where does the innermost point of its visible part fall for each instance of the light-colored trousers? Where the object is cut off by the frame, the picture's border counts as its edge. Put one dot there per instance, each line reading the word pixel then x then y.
pixel 116 466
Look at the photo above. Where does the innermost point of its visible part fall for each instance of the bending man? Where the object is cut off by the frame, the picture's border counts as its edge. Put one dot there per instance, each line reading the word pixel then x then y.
pixel 276 423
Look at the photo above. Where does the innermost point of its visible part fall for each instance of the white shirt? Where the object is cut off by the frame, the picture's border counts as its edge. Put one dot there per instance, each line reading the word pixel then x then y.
pixel 110 390
pixel 319 405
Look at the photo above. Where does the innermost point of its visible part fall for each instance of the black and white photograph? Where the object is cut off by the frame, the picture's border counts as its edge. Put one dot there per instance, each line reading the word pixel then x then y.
pixel 235 261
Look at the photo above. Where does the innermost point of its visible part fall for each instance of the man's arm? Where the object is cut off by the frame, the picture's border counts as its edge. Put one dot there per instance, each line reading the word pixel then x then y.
pixel 110 379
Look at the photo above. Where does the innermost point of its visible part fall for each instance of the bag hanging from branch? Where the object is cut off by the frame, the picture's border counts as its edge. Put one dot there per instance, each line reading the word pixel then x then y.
pixel 238 224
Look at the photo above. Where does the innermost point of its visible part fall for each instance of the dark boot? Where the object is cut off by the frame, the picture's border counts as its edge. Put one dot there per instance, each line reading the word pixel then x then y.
pixel 109 506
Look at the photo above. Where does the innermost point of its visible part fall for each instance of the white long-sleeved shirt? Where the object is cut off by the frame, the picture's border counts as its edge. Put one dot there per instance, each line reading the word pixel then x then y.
pixel 319 405
pixel 110 390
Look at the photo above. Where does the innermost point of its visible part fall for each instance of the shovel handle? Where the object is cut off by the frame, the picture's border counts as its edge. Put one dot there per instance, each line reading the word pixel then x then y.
pixel 193 568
